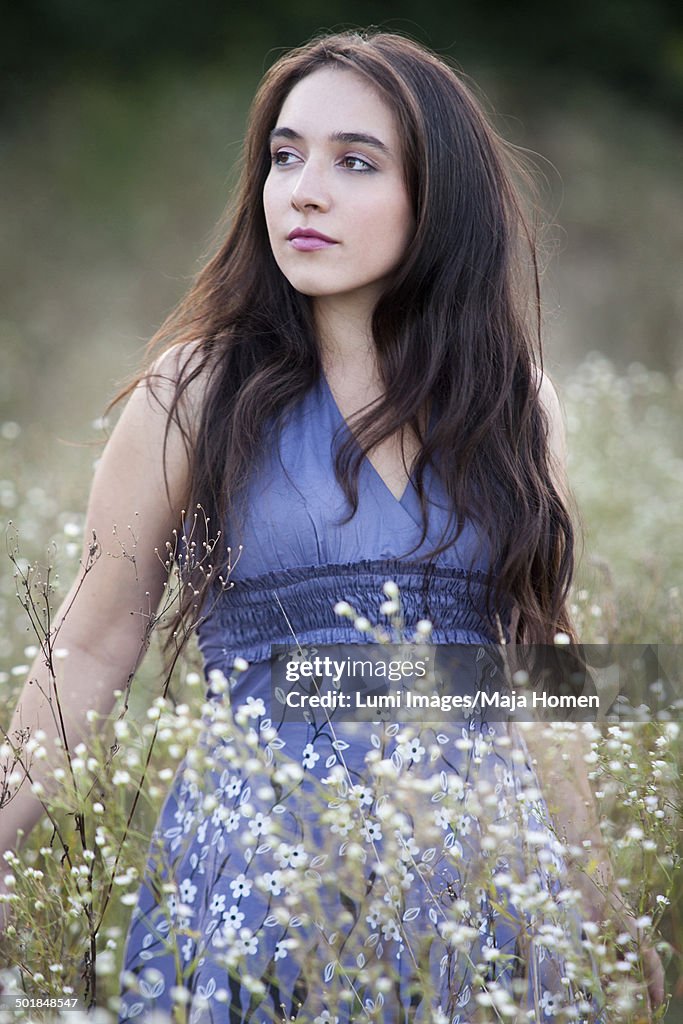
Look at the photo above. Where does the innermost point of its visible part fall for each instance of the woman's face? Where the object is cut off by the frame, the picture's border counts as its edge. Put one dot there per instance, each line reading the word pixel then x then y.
pixel 338 213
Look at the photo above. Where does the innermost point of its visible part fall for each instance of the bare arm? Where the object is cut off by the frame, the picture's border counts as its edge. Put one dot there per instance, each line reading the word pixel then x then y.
pixel 102 624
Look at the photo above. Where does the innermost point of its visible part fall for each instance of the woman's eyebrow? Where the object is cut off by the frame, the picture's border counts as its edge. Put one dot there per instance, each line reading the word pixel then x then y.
pixel 347 137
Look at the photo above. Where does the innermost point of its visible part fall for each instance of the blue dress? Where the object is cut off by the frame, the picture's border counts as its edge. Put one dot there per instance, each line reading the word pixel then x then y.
pixel 337 871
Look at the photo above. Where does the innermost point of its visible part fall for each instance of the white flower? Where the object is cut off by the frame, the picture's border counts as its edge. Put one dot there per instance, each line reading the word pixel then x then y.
pixel 342 827
pixel 234 786
pixel 393 897
pixel 373 919
pixel 406 876
pixel 442 818
pixel 389 607
pixel 372 831
pixel 361 795
pixel 248 942
pixel 550 1002
pixel 412 750
pixel 272 882
pixel 325 1018
pixel 187 891
pixel 233 917
pixel 217 905
pixel 260 824
pixel 390 931
pixel 241 886
pixel 233 821
pixel 309 756
pixel 291 856
pixel 409 848
pixel 254 707
pixel 465 825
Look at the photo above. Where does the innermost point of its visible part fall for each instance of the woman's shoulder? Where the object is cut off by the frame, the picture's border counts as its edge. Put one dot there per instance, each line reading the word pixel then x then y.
pixel 549 401
pixel 177 380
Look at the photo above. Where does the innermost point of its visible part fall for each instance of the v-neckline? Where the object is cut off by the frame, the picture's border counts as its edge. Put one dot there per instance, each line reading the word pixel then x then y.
pixel 345 423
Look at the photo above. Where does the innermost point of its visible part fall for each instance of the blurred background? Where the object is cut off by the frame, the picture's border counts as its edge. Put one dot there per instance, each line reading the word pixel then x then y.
pixel 120 125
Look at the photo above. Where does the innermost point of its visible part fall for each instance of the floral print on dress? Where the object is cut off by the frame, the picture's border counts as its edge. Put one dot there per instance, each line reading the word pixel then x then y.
pixel 354 872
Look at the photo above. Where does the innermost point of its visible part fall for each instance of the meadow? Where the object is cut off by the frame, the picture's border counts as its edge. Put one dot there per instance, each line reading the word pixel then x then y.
pixel 91 212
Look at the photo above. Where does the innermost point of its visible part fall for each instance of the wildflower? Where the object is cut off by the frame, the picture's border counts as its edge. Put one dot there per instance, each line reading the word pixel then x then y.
pixel 424 628
pixel 409 848
pixel 405 876
pixel 373 919
pixel 253 708
pixel 390 931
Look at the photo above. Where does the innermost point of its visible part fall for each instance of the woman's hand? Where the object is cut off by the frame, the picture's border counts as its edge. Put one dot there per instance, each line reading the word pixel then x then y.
pixel 614 909
pixel 653 969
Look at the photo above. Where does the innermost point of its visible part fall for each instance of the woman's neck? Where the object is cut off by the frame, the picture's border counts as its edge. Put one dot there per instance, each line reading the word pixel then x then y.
pixel 345 339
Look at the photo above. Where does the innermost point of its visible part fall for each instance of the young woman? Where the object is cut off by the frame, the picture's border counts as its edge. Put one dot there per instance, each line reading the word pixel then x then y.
pixel 351 391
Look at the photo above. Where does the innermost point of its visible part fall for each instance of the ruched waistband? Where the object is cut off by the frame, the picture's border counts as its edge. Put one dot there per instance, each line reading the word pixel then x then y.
pixel 297 605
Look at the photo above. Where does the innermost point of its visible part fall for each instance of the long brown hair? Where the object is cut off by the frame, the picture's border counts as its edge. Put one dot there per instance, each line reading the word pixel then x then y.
pixel 457 330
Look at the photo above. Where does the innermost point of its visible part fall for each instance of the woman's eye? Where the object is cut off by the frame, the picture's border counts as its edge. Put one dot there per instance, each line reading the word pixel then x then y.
pixel 356 163
pixel 282 157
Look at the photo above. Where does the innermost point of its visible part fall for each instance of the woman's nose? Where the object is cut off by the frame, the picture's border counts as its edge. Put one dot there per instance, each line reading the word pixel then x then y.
pixel 310 190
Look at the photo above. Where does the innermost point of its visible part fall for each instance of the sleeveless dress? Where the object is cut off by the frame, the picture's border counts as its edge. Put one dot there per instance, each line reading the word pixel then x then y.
pixel 336 871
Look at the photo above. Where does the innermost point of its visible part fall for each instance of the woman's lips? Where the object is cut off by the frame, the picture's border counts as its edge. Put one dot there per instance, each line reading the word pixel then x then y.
pixel 308 243
pixel 308 239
